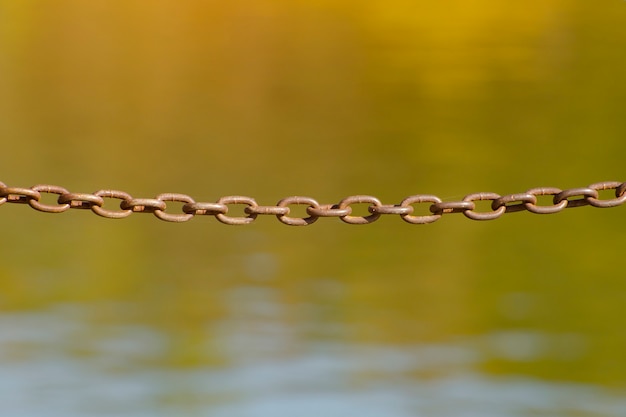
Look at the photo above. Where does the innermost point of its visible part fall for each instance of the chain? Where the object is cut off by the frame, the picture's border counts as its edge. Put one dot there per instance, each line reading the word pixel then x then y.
pixel 561 199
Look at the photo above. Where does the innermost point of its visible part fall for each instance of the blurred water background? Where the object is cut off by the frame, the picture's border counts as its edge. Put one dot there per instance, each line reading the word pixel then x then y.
pixel 522 316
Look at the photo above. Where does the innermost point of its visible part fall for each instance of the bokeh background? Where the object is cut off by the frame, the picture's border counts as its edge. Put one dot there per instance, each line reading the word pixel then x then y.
pixel 522 316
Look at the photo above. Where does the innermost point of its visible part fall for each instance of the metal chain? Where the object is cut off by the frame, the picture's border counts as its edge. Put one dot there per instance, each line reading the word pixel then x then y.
pixel 561 199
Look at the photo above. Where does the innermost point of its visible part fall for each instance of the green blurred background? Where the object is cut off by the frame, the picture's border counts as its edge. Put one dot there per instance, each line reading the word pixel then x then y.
pixel 324 99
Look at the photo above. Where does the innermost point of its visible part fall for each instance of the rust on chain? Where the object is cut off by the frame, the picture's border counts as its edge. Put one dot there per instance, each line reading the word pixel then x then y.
pixel 236 199
pixel 489 215
pixel 18 194
pixel 329 210
pixel 3 199
pixel 555 208
pixel 48 208
pixel 441 207
pixel 112 214
pixel 513 202
pixel 275 210
pixel 81 200
pixel 620 194
pixel 500 205
pixel 391 209
pixel 200 209
pixel 416 199
pixel 297 221
pixel 143 205
pixel 358 199
pixel 172 217
pixel 567 195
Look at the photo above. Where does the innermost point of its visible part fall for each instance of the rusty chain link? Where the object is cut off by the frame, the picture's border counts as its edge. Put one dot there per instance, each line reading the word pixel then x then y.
pixel 561 199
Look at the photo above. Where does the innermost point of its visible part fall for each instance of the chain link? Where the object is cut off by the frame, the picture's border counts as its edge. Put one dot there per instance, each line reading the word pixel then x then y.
pixel 561 199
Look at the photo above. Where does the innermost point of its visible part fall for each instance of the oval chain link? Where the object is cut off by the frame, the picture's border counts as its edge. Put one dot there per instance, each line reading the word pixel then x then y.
pixel 489 215
pixel 236 199
pixel 555 208
pixel 48 208
pixel 297 221
pixel 620 194
pixel 170 217
pixel 359 199
pixel 409 218
pixel 561 199
pixel 112 214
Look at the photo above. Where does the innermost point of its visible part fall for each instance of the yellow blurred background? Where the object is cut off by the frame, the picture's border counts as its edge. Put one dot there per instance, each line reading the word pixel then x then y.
pixel 324 99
